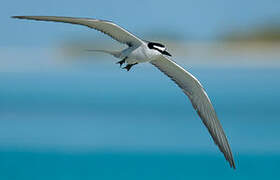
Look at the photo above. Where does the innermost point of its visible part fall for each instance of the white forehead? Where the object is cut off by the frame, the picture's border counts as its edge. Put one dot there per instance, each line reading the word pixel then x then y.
pixel 159 47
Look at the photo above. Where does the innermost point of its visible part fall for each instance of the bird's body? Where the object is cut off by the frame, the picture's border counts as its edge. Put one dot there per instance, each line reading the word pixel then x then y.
pixel 139 54
pixel 140 51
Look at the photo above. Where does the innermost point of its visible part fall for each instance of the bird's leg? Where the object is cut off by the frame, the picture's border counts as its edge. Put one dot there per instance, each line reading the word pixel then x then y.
pixel 127 67
pixel 122 61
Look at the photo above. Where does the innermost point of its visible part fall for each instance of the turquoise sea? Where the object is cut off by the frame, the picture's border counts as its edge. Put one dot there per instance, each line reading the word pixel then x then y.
pixel 62 120
pixel 96 121
pixel 53 165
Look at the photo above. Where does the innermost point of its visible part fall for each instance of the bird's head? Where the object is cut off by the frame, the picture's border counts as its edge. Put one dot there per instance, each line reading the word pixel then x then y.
pixel 158 47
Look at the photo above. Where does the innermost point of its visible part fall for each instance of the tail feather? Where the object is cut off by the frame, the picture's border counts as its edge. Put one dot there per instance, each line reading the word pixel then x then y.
pixel 114 53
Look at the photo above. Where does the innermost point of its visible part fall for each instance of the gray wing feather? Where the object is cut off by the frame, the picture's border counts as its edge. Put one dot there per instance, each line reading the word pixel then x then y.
pixel 107 27
pixel 200 101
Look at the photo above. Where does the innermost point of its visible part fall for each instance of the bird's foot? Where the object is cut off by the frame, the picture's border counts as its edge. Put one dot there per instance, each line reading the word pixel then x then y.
pixel 121 62
pixel 127 67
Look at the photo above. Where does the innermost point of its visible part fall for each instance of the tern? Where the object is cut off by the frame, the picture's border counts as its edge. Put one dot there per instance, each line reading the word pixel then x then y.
pixel 141 51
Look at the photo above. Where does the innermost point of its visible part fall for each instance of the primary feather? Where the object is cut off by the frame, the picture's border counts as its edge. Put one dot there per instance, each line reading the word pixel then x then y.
pixel 107 27
pixel 200 101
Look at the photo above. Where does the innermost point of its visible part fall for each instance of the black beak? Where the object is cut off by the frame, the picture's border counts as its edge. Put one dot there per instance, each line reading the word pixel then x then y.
pixel 166 53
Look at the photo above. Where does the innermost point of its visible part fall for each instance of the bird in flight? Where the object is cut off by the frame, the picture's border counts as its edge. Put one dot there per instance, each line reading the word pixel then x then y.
pixel 141 51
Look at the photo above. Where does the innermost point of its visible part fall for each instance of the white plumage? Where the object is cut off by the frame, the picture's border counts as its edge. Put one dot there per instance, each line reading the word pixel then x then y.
pixel 140 51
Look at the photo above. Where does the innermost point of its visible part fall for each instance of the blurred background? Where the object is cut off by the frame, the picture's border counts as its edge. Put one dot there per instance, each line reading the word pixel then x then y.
pixel 71 114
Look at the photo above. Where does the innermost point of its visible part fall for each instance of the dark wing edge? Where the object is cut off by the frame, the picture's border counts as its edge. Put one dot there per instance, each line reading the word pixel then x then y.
pixel 200 101
pixel 107 27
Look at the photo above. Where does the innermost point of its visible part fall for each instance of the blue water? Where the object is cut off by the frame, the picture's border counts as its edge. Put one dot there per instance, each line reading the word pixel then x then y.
pixel 45 166
pixel 99 122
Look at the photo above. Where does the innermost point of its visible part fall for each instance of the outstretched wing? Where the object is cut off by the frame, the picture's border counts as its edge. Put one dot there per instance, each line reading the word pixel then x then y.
pixel 116 32
pixel 200 101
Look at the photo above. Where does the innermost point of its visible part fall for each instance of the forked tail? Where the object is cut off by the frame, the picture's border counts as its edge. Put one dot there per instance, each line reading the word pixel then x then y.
pixel 116 54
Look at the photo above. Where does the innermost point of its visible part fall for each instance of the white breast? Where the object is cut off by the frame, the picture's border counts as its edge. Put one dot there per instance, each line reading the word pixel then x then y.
pixel 144 54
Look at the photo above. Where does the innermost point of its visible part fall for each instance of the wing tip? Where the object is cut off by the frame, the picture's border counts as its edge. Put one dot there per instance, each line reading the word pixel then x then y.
pixel 22 17
pixel 17 17
pixel 232 164
pixel 230 160
pixel 229 157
